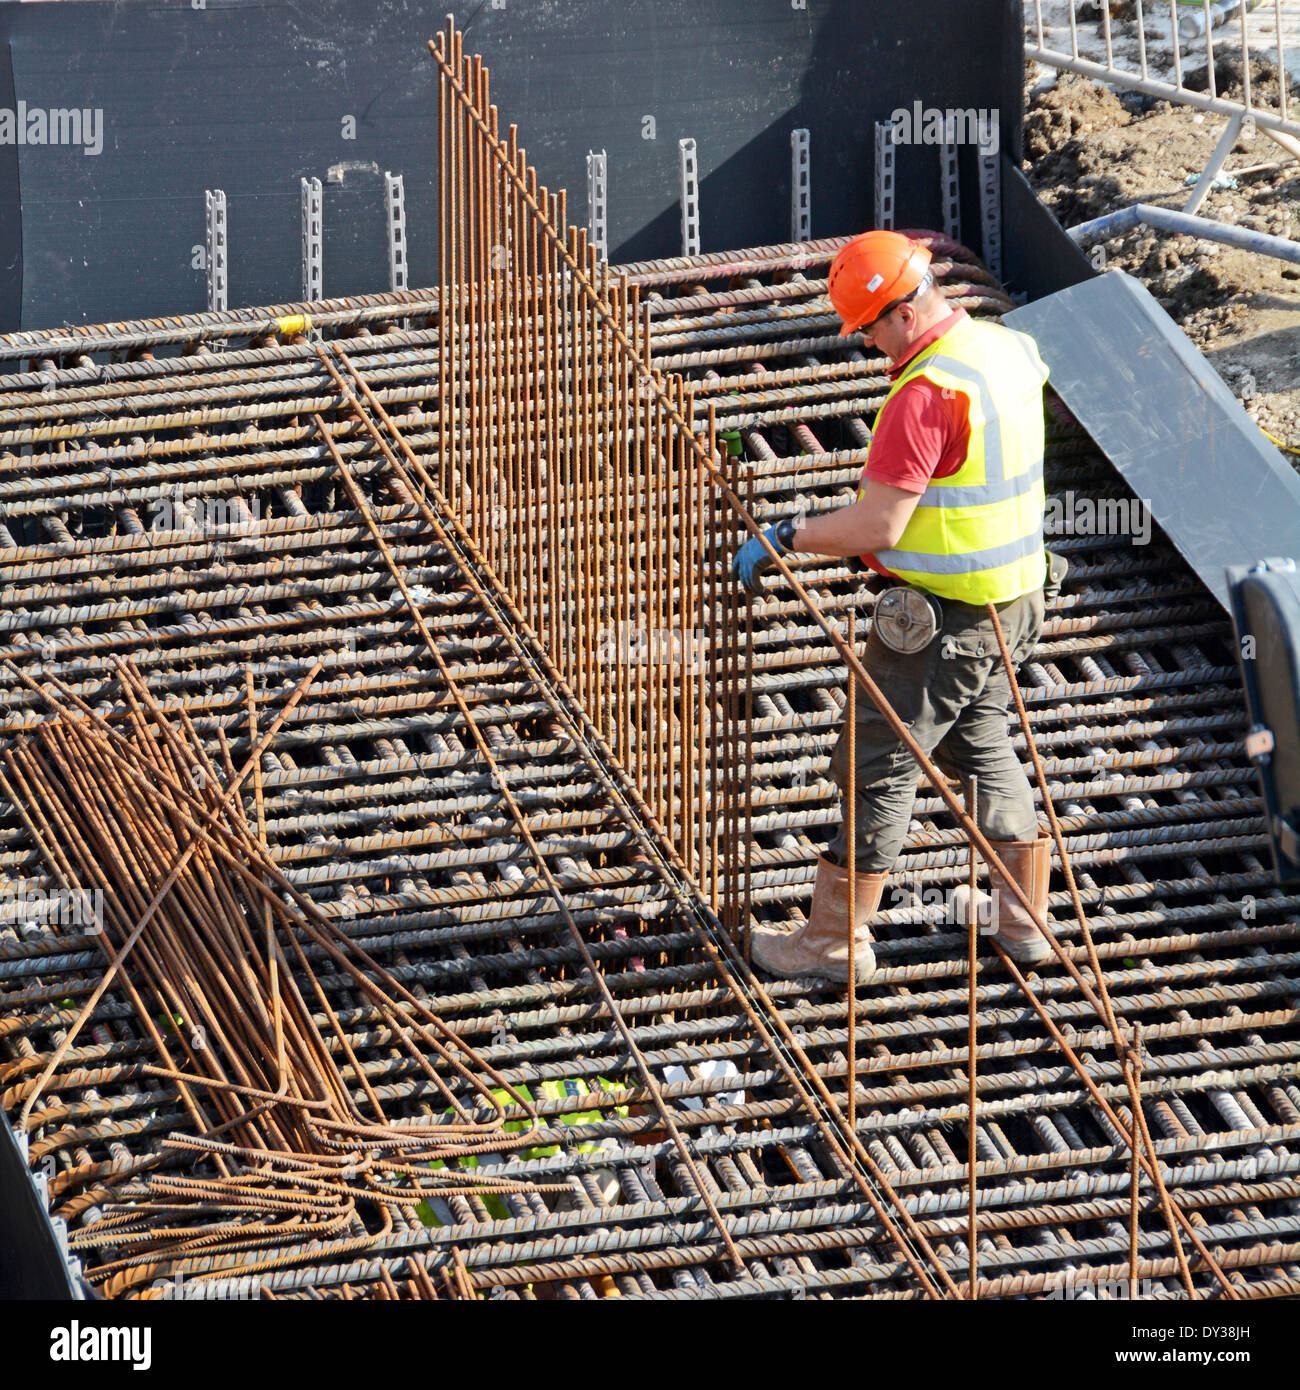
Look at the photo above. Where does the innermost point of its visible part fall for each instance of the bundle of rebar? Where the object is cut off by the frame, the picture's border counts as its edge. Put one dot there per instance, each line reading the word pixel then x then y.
pixel 150 839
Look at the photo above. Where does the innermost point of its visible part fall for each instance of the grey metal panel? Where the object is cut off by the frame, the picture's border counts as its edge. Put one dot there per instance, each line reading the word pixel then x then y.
pixel 1162 415
pixel 252 95
pixel 1266 615
pixel 31 1262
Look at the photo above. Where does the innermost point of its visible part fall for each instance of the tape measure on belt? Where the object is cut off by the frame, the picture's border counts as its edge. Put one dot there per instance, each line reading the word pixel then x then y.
pixel 907 619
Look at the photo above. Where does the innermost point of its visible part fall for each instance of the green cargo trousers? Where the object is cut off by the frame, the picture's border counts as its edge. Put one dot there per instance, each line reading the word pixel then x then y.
pixel 953 696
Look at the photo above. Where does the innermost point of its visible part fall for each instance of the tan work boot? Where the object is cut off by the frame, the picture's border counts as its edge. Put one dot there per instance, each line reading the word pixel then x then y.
pixel 1029 863
pixel 821 945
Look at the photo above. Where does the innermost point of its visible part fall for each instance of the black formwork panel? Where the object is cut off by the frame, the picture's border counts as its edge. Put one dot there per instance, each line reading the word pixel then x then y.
pixel 250 98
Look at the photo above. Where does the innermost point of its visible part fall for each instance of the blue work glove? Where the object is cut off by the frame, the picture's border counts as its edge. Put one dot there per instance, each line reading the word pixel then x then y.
pixel 752 560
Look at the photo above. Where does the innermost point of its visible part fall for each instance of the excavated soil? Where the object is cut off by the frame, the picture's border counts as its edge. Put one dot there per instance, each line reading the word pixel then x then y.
pixel 1091 150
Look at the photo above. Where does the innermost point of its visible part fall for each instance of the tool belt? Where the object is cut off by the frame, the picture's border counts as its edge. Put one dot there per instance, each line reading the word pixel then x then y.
pixel 907 619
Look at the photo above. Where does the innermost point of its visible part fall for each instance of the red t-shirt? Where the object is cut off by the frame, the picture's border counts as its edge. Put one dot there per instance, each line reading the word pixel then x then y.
pixel 923 434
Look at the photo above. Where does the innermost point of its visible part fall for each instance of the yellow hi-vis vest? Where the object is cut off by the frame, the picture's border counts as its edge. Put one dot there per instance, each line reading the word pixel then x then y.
pixel 977 535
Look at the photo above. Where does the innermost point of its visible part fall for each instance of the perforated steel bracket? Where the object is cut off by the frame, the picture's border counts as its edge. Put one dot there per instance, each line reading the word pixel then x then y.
pixel 884 175
pixel 217 248
pixel 597 204
pixel 991 212
pixel 690 197
pixel 950 191
pixel 800 185
pixel 313 241
pixel 1259 743
pixel 395 222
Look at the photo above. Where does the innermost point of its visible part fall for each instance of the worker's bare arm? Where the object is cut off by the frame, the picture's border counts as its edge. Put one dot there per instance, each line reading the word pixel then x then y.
pixel 874 522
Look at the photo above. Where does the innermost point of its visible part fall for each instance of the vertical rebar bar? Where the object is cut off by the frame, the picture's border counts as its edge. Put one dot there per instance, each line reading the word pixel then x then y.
pixel 851 832
pixel 972 940
pixel 1132 1064
pixel 749 747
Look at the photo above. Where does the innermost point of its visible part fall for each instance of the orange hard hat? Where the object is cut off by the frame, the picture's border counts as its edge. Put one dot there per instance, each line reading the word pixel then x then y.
pixel 871 272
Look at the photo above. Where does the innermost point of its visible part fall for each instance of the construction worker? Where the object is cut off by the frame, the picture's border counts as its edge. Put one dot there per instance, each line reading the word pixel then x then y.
pixel 949 518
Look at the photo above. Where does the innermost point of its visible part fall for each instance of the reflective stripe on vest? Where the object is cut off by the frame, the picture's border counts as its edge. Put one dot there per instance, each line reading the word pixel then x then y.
pixel 977 535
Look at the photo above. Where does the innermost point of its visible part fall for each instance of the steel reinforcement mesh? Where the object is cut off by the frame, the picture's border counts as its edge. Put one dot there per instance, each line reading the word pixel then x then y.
pixel 183 514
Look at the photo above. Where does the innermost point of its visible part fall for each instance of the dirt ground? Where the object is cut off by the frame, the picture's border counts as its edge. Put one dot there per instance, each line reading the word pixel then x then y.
pixel 1091 151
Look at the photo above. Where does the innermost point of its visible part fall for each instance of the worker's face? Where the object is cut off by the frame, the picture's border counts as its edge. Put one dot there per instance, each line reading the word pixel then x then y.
pixel 892 332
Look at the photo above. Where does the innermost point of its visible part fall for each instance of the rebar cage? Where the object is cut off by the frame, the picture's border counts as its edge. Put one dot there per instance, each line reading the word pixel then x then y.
pixel 513 854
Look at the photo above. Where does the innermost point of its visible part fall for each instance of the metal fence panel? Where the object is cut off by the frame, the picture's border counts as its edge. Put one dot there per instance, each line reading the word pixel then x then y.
pixel 1165 41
